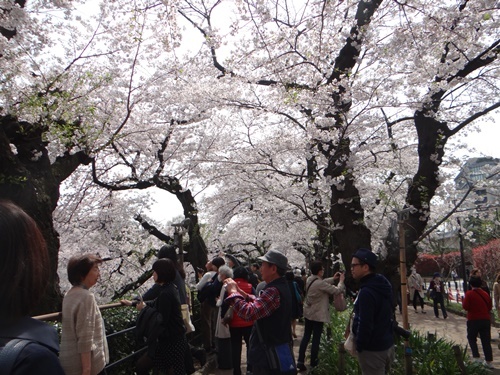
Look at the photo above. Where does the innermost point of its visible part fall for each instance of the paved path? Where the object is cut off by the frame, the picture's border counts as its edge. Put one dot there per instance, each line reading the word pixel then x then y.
pixel 452 329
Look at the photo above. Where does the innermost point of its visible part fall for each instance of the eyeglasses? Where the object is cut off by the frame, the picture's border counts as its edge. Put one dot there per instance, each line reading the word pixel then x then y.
pixel 355 264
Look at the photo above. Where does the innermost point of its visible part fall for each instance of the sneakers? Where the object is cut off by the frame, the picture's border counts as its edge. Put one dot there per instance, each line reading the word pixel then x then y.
pixel 424 312
pixel 488 364
pixel 301 367
pixel 201 355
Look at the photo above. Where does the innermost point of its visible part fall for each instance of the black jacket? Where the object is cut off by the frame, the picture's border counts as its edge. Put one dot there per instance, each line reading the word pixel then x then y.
pixel 373 312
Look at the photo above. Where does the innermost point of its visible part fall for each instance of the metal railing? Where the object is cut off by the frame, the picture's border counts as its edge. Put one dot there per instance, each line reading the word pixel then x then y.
pixel 57 316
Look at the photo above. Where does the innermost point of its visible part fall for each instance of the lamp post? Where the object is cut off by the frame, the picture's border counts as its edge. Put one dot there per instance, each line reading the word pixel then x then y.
pixel 179 230
pixel 403 216
pixel 462 256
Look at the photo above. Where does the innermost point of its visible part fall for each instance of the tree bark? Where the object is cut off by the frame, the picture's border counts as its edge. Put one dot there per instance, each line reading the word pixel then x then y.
pixel 432 137
pixel 29 179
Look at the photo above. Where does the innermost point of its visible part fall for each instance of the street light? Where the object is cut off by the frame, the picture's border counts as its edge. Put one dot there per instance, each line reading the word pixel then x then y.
pixel 403 216
pixel 462 256
pixel 181 229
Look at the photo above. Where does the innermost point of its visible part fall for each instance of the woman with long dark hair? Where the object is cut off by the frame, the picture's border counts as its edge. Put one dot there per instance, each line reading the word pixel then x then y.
pixel 170 347
pixel 24 274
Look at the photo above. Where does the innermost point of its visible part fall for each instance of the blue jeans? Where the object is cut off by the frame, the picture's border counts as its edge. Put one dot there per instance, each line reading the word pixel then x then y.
pixel 315 329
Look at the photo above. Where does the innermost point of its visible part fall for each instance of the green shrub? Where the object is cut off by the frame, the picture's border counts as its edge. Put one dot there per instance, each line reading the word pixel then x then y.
pixel 429 357
pixel 120 346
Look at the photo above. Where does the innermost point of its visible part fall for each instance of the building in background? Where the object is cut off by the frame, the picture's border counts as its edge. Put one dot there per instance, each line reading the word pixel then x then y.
pixel 482 175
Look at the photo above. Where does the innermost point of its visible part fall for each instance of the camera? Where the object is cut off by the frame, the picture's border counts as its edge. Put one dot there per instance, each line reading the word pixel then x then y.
pixel 400 331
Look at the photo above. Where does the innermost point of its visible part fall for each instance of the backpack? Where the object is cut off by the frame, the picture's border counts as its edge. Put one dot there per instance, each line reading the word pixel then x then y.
pixel 9 354
pixel 206 291
pixel 202 294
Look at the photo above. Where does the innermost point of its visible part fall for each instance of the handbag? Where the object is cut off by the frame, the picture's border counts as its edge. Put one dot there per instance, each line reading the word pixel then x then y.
pixel 339 302
pixel 221 329
pixel 279 357
pixel 350 342
pixel 186 317
pixel 228 316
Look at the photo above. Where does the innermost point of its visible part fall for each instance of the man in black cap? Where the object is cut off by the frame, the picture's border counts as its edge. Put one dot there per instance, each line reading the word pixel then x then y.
pixel 372 323
pixel 271 310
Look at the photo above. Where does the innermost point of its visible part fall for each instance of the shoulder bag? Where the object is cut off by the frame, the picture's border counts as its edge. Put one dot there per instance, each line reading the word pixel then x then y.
pixel 279 357
pixel 339 302
pixel 228 316
pixel 492 314
pixel 350 342
pixel 307 290
pixel 186 317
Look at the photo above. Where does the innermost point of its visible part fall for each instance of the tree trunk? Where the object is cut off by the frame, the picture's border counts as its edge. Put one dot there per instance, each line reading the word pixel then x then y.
pixel 28 178
pixel 196 250
pixel 346 211
pixel 432 137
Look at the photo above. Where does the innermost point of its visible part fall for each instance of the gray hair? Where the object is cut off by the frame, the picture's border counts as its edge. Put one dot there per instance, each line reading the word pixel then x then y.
pixel 226 271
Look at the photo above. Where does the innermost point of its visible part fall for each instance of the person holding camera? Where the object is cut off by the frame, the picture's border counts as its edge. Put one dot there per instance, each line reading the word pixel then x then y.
pixel 438 293
pixel 317 309
pixel 372 323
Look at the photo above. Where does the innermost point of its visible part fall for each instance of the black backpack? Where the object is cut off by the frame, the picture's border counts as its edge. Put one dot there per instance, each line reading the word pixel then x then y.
pixel 206 291
pixel 9 354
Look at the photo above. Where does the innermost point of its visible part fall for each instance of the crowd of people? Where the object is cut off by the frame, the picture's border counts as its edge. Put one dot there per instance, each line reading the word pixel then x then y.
pixel 257 305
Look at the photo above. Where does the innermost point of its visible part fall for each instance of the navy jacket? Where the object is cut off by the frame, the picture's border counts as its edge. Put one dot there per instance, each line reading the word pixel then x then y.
pixel 373 311
pixel 39 357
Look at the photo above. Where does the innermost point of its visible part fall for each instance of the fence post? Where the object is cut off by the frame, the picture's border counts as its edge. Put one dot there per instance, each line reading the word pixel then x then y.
pixel 342 353
pixel 458 357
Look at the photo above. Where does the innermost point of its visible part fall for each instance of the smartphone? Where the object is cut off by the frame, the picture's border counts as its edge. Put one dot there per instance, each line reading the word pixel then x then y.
pixel 139 296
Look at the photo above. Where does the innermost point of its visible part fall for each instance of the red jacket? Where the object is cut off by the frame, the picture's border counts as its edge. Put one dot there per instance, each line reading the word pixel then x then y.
pixel 478 304
pixel 237 322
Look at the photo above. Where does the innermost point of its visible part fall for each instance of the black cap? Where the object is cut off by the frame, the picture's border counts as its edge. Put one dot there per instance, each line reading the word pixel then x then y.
pixel 218 261
pixel 366 256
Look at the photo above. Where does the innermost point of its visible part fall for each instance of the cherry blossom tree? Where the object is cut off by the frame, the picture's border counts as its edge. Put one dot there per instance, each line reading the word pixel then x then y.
pixel 373 90
pixel 85 96
pixel 295 124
